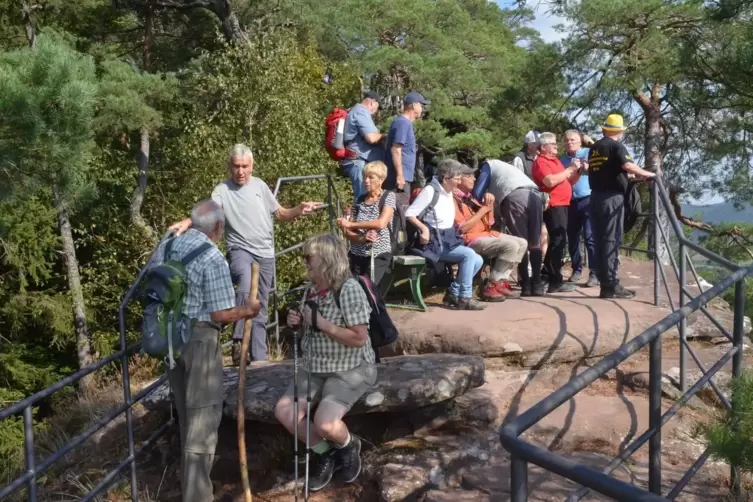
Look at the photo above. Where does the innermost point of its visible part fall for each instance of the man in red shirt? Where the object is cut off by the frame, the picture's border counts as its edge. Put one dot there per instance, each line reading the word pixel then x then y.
pixel 553 178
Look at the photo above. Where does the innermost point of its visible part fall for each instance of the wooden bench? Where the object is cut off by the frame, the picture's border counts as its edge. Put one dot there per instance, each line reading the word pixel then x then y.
pixel 411 268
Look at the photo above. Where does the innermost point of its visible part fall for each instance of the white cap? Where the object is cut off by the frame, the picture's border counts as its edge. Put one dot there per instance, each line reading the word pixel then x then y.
pixel 531 137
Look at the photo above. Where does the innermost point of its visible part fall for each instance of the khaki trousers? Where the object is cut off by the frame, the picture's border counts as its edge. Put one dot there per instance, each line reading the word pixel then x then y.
pixel 196 383
pixel 505 250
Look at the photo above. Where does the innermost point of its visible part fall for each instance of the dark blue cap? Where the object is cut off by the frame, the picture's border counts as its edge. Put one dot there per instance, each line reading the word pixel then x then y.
pixel 414 97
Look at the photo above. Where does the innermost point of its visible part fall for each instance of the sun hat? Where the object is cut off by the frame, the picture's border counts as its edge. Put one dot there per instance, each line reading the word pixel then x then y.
pixel 614 122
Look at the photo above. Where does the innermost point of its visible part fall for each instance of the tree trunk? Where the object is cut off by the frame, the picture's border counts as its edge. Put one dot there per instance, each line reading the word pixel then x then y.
pixel 27 12
pixel 83 342
pixel 231 27
pixel 137 198
pixel 654 143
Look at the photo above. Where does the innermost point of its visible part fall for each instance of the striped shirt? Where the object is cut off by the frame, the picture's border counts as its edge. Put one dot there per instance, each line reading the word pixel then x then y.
pixel 209 287
pixel 370 212
pixel 323 354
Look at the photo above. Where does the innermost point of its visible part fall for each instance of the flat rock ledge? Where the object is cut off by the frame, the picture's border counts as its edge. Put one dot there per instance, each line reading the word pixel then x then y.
pixel 404 383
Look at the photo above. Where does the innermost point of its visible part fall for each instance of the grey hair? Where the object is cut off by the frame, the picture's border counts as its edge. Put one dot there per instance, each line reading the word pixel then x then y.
pixel 333 256
pixel 239 151
pixel 448 168
pixel 206 215
pixel 547 137
pixel 572 132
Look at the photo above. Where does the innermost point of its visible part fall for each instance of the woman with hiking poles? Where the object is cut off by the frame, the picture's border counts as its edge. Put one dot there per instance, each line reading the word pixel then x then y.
pixel 369 227
pixel 338 364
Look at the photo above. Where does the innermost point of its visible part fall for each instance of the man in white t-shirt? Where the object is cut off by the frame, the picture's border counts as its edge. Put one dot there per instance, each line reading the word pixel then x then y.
pixel 249 204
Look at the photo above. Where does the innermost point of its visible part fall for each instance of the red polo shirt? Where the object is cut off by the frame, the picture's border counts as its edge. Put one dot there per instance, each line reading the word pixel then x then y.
pixel 543 166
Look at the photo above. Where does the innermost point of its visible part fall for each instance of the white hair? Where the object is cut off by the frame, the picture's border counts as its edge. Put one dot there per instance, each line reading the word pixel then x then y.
pixel 572 132
pixel 206 215
pixel 547 137
pixel 239 151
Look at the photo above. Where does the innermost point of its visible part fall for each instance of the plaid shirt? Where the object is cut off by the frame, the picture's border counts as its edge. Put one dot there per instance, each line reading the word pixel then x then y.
pixel 322 354
pixel 209 287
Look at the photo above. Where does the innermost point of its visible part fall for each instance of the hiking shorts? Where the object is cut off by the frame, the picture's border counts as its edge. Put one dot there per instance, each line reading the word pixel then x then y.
pixel 343 387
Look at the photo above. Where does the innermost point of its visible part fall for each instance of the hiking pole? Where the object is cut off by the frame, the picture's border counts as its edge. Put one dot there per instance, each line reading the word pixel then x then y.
pixel 295 394
pixel 242 387
pixel 314 314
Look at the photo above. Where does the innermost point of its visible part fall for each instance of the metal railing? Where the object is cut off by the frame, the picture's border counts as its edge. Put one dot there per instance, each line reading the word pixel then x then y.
pixel 25 407
pixel 522 452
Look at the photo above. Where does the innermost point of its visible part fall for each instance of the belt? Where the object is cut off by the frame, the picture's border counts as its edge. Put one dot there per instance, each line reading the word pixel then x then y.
pixel 211 325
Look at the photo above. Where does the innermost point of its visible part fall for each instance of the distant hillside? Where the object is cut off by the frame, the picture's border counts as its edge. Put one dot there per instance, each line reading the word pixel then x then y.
pixel 719 213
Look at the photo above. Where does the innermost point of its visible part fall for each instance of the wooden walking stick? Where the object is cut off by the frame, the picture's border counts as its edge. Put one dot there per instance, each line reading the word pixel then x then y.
pixel 243 462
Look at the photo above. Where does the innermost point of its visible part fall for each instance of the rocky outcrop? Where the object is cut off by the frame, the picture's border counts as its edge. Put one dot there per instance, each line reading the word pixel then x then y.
pixel 404 383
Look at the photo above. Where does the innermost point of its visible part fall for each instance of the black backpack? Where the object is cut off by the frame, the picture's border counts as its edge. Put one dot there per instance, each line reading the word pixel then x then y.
pixel 398 236
pixel 382 330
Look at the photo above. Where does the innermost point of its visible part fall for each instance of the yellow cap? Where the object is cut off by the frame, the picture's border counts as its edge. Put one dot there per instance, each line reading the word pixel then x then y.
pixel 613 123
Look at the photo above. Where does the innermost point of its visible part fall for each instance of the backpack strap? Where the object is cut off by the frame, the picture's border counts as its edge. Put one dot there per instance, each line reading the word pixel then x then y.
pixel 357 206
pixel 168 248
pixel 195 254
pixel 383 200
pixel 430 207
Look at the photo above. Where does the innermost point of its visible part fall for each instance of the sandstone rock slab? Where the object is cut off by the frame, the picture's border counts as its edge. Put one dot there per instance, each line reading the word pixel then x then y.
pixel 404 383
pixel 456 496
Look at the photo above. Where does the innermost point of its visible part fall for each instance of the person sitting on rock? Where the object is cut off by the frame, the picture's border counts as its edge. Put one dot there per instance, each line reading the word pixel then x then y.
pixel 433 214
pixel 368 228
pixel 337 358
pixel 474 222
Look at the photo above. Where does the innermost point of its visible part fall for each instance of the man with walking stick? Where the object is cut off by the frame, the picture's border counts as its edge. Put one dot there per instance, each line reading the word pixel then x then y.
pixel 196 379
pixel 338 365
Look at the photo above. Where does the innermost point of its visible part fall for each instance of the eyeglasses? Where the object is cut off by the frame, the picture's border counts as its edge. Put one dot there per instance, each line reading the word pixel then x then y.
pixel 307 257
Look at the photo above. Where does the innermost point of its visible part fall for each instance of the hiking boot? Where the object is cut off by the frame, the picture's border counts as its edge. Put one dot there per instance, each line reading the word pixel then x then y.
pixel 565 287
pixel 321 469
pixel 491 293
pixel 574 277
pixel 470 304
pixel 593 281
pixel 618 293
pixel 237 354
pixel 525 288
pixel 348 459
pixel 505 289
pixel 450 300
pixel 538 289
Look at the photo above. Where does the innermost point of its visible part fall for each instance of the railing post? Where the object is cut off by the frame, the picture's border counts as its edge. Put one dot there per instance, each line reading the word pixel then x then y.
pixel 738 326
pixel 128 400
pixel 518 480
pixel 654 415
pixel 29 450
pixel 683 323
pixel 655 230
pixel 330 207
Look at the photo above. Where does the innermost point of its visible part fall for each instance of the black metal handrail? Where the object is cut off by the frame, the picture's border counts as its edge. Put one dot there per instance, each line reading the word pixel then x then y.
pixel 523 452
pixel 34 470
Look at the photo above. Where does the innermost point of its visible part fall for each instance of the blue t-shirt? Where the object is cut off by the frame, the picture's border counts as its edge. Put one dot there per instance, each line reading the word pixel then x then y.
pixel 582 187
pixel 358 124
pixel 401 133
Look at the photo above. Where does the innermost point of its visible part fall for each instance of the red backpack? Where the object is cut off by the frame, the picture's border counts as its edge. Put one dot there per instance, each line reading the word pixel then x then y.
pixel 334 125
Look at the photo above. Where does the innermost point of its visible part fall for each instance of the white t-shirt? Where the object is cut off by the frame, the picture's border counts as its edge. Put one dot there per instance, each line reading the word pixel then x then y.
pixel 443 215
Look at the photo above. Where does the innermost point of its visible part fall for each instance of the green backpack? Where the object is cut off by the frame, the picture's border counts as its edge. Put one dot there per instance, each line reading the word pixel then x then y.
pixel 165 329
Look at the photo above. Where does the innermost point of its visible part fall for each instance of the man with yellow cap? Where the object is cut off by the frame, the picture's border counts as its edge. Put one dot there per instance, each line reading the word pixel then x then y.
pixel 609 167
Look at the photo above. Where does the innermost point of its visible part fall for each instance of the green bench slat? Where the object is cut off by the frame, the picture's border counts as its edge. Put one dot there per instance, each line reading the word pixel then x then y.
pixel 408 260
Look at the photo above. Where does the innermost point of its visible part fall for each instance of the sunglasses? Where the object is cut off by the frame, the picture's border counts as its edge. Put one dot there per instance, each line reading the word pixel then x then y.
pixel 307 257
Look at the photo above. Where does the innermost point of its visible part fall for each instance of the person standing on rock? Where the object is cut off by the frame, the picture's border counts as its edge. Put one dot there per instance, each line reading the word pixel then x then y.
pixel 519 202
pixel 579 214
pixel 338 360
pixel 609 168
pixel 248 205
pixel 474 221
pixel 400 149
pixel 196 380
pixel 523 160
pixel 362 138
pixel 554 179
pixel 369 226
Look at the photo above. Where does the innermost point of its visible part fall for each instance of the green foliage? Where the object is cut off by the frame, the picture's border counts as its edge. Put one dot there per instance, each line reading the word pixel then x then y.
pixel 47 103
pixel 729 435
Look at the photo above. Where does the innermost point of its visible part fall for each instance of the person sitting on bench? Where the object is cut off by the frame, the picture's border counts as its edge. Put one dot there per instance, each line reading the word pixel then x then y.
pixel 433 215
pixel 369 226
pixel 474 222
